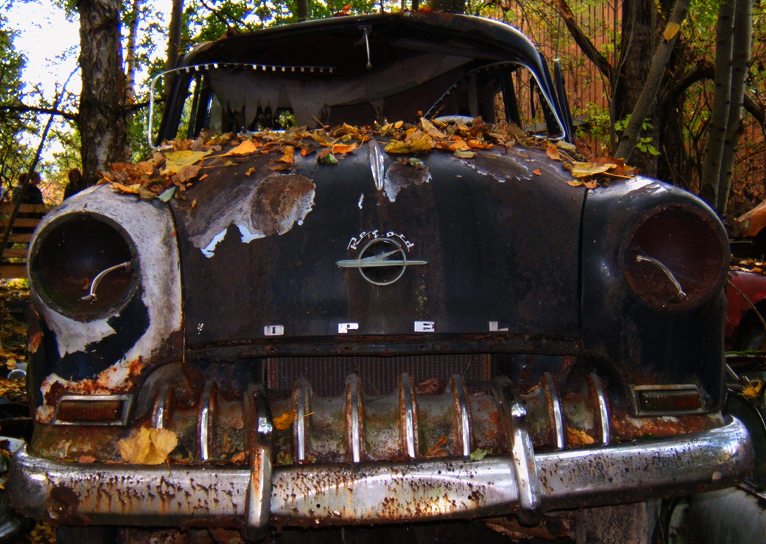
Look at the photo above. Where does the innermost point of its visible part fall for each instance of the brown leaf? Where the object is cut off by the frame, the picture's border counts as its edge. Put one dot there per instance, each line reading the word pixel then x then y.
pixel 438 449
pixel 552 151
pixel 285 420
pixel 576 437
pixel 86 459
pixel 460 154
pixel 239 458
pixel 147 446
pixel 342 149
pixel 288 155
pixel 430 129
pixel 587 169
pixel 537 172
pixel 430 386
pixel 34 341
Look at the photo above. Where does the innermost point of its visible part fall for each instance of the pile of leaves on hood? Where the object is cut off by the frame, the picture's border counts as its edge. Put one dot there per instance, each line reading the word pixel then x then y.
pixel 174 169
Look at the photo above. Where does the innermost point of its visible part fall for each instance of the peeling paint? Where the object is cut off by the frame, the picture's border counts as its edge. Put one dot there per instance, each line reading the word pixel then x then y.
pixel 273 205
pixel 151 230
pixel 403 174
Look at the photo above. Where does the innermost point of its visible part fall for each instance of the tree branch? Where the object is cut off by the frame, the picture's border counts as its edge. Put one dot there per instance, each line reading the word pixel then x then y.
pixel 583 42
pixel 23 108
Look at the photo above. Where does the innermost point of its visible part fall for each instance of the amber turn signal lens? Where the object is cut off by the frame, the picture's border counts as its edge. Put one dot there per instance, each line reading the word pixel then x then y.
pixel 84 411
pixel 667 400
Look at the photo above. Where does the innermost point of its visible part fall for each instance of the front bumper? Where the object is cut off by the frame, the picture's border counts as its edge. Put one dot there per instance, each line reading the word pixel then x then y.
pixel 524 483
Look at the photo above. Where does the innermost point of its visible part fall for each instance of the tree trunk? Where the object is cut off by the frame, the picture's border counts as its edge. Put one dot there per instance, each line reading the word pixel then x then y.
pixel 174 41
pixel 451 6
pixel 651 87
pixel 302 9
pixel 741 48
pixel 130 57
pixel 711 167
pixel 102 119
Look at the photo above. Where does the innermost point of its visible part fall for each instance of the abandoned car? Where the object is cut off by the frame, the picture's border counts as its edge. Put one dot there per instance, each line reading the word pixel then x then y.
pixel 363 280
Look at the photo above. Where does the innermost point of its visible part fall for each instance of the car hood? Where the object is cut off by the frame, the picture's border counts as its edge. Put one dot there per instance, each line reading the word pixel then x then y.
pixel 380 245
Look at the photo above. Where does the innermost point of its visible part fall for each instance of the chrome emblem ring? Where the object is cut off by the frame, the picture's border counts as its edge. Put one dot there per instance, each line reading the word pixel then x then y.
pixel 382 261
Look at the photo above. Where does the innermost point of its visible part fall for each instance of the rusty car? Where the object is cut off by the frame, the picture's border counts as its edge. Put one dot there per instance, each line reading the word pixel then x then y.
pixel 360 281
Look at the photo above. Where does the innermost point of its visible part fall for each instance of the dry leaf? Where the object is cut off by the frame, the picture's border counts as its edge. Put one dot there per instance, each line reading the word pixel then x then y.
pixel 175 161
pixel 587 169
pixel 430 129
pixel 537 172
pixel 342 149
pixel 86 459
pixel 418 142
pixel 465 154
pixel 576 437
pixel 552 151
pixel 245 148
pixel 34 341
pixel 239 458
pixel 285 420
pixel 438 449
pixel 147 446
pixel 288 155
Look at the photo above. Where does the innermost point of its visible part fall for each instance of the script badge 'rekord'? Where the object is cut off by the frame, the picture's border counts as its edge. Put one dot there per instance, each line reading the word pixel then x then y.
pixel 381 261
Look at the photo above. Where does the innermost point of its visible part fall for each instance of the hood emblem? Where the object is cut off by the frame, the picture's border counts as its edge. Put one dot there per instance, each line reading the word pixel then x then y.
pixel 382 261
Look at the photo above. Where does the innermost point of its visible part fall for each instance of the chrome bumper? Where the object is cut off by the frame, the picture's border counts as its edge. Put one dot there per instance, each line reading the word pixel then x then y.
pixel 378 492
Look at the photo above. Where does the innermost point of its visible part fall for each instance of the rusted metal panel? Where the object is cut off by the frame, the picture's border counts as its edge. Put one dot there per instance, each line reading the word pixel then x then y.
pixel 476 226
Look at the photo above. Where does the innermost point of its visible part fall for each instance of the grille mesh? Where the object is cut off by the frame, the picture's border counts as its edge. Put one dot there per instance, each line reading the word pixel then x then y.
pixel 379 374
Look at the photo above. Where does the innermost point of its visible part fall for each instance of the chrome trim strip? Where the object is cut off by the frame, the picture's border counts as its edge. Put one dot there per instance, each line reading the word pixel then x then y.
pixel 407 412
pixel 354 413
pixel 462 415
pixel 557 415
pixel 160 408
pixel 301 394
pixel 204 419
pixel 127 404
pixel 378 492
pixel 597 391
pixel 260 428
pixel 522 452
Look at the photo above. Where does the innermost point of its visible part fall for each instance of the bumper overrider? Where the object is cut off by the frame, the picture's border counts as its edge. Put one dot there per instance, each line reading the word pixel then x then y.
pixel 523 483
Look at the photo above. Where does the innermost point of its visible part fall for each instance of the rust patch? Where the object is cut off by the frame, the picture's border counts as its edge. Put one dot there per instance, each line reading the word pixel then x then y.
pixel 62 503
pixel 628 428
pixel 280 201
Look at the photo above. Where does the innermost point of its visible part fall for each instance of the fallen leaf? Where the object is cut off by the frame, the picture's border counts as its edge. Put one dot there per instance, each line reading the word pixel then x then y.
pixel 438 449
pixel 753 389
pixel 478 454
pixel 326 157
pixel 34 341
pixel 552 151
pixel 250 171
pixel 460 154
pixel 537 172
pixel 288 155
pixel 285 420
pixel 245 148
pixel 239 458
pixel 167 194
pixel 86 459
pixel 419 142
pixel 430 129
pixel 566 146
pixel 342 149
pixel 175 161
pixel 587 169
pixel 147 446
pixel 576 437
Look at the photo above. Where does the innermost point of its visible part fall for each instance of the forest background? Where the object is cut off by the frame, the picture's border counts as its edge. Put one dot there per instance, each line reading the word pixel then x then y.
pixel 676 87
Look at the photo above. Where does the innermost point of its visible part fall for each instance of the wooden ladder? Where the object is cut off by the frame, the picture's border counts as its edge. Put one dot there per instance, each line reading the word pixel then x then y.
pixel 13 262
